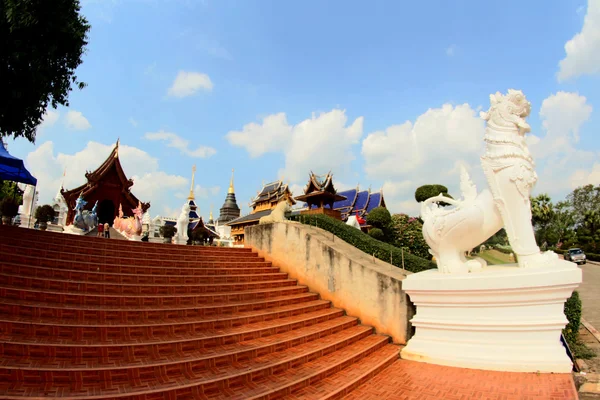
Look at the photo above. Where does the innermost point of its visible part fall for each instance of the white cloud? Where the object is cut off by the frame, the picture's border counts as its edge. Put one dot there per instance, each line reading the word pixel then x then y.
pixel 133 122
pixel 202 192
pixel 582 177
pixel 177 142
pixel 76 121
pixel 49 118
pixel 561 164
pixel 429 151
pixel 562 116
pixel 451 50
pixel 188 83
pixel 150 184
pixel 321 143
pixel 258 139
pixel 583 50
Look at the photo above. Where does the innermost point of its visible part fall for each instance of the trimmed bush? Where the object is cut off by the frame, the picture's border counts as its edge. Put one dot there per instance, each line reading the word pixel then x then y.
pixel 376 233
pixel 168 231
pixel 573 314
pixel 383 251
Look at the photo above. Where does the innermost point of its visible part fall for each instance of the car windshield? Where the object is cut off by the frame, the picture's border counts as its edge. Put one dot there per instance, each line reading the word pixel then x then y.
pixel 576 251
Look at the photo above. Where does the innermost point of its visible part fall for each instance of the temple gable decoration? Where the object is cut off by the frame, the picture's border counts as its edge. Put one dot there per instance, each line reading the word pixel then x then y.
pixel 109 186
pixel 320 196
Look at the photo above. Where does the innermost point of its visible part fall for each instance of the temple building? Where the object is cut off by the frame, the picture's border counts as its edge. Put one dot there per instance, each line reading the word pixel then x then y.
pixel 263 204
pixel 109 186
pixel 356 202
pixel 230 209
pixel 320 196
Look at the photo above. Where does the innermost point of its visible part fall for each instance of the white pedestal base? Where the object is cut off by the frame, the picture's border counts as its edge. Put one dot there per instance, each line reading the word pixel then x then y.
pixel 504 318
pixel 27 221
pixel 55 228
pixel 73 230
pixel 178 240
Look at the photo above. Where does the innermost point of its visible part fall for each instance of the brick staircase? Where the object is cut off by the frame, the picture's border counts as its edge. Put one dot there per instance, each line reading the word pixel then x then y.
pixel 90 318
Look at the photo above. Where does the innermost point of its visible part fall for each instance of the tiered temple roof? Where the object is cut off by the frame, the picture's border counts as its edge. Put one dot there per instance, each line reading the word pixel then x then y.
pixel 264 202
pixel 271 194
pixel 357 201
pixel 320 194
pixel 107 182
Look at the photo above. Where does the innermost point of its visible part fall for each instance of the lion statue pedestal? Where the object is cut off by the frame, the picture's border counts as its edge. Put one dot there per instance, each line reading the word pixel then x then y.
pixel 503 318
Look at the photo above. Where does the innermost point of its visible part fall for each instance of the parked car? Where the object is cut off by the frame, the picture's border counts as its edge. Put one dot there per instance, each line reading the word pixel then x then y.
pixel 575 255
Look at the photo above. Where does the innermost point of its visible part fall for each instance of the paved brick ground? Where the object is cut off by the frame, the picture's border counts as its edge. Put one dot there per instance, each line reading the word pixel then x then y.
pixel 408 380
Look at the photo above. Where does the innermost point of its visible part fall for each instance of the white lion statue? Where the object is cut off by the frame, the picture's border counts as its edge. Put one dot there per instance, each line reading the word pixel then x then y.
pixel 278 213
pixel 510 173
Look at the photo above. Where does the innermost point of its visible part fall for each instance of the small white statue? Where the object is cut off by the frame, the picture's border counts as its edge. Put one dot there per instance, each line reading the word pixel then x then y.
pixel 29 200
pixel 510 173
pixel 353 222
pixel 278 213
pixel 182 224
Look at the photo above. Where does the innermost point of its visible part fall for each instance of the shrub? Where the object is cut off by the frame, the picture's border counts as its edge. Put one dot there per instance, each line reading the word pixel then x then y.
pixel 376 233
pixel 9 207
pixel 383 251
pixel 44 214
pixel 573 313
pixel 408 232
pixel 168 231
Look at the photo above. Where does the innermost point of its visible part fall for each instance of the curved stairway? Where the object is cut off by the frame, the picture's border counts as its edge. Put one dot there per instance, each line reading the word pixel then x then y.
pixel 90 318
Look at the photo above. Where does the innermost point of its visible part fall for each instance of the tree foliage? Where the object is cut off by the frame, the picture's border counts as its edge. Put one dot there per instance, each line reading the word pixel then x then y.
pixel 41 44
pixel 380 218
pixel 44 213
pixel 408 233
pixel 427 191
pixel 10 189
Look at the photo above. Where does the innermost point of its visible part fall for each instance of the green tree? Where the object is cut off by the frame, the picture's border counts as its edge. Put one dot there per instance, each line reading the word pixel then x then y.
pixel 542 213
pixel 11 190
pixel 427 191
pixel 562 224
pixel 41 44
pixel 584 199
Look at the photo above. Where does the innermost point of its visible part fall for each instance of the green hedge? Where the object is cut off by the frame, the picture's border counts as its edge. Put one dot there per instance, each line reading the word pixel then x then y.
pixel 573 314
pixel 383 251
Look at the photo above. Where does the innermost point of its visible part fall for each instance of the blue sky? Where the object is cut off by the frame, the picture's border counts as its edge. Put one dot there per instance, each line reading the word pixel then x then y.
pixel 385 94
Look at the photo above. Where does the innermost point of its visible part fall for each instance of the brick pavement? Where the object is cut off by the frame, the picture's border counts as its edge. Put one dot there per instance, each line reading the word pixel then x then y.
pixel 411 380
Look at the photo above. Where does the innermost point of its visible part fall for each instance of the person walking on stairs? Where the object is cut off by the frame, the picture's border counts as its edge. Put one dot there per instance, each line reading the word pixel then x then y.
pixel 106 230
pixel 100 230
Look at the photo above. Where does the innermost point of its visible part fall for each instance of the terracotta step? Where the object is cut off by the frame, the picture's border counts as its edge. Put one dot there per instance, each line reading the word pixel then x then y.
pixel 128 269
pixel 93 242
pixel 65 259
pixel 202 275
pixel 193 379
pixel 32 309
pixel 161 330
pixel 52 296
pixel 313 377
pixel 341 383
pixel 17 281
pixel 78 253
pixel 87 329
pixel 93 358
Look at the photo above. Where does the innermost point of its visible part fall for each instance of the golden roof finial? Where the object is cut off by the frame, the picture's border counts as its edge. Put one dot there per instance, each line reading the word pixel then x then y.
pixel 191 196
pixel 117 148
pixel 210 217
pixel 231 183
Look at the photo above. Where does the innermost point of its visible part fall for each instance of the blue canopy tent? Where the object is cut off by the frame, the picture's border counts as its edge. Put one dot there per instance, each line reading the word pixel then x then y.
pixel 13 169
